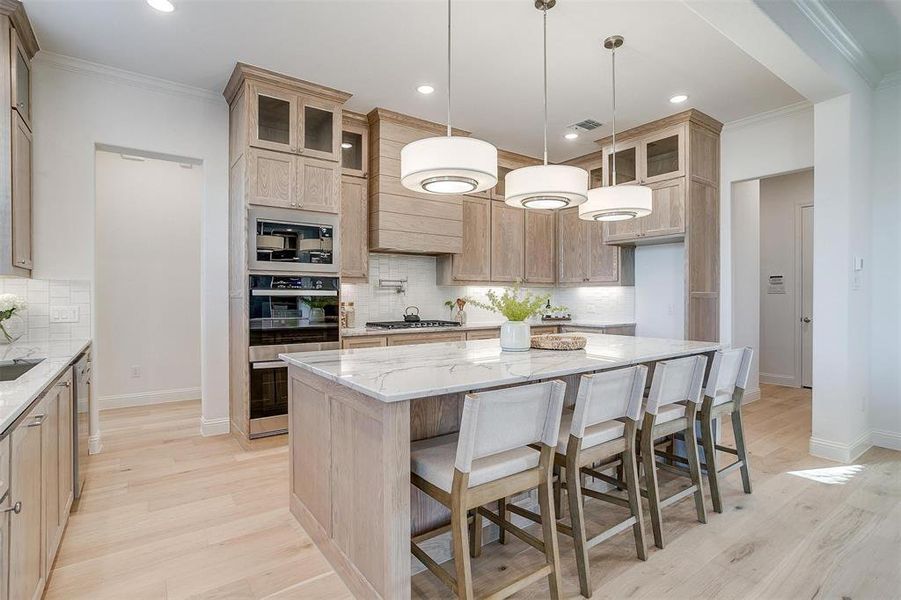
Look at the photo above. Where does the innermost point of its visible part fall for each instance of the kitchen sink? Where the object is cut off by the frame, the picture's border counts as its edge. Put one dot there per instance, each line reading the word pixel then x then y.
pixel 11 370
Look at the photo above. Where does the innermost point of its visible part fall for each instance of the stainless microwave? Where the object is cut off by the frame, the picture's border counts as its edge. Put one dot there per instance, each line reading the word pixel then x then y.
pixel 281 239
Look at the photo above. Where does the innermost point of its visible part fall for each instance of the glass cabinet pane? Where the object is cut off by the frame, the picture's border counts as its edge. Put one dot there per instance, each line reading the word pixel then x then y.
pixel 317 128
pixel 352 150
pixel 23 76
pixel 274 119
pixel 626 163
pixel 595 178
pixel 662 156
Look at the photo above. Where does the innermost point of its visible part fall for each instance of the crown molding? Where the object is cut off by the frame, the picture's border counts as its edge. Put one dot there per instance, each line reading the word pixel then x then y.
pixel 840 38
pixel 890 80
pixel 123 77
pixel 769 115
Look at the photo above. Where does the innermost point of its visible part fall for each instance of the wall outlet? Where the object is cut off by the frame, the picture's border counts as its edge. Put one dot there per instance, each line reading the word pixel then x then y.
pixel 135 371
pixel 64 314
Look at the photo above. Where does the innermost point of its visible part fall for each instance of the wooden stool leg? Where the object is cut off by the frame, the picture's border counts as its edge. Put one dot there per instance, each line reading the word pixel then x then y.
pixel 630 468
pixel 577 515
pixel 694 466
pixel 620 474
pixel 558 492
pixel 460 535
pixel 739 433
pixel 710 460
pixel 650 476
pixel 549 522
pixel 475 542
pixel 502 513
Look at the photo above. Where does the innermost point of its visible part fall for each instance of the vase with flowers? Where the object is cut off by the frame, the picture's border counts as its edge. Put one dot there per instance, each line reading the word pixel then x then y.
pixel 12 325
pixel 517 306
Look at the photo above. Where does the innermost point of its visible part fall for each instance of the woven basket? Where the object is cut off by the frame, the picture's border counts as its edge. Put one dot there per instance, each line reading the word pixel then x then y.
pixel 558 341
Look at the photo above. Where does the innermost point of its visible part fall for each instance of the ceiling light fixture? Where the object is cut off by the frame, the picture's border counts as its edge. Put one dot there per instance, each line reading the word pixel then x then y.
pixel 448 164
pixel 546 186
pixel 616 202
pixel 162 5
pixel 678 99
pixel 425 89
pixel 572 135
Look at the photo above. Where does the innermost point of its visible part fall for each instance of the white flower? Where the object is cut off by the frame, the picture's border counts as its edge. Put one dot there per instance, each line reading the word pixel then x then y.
pixel 11 303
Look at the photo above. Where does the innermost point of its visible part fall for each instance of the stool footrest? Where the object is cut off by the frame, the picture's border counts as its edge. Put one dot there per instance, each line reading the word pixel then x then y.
pixel 517 531
pixel 603 477
pixel 675 469
pixel 728 469
pixel 726 449
pixel 609 533
pixel 536 518
pixel 518 584
pixel 671 456
pixel 678 496
pixel 430 564
pixel 605 497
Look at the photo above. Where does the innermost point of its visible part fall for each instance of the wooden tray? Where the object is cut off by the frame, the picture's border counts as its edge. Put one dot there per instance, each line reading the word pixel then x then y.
pixel 558 341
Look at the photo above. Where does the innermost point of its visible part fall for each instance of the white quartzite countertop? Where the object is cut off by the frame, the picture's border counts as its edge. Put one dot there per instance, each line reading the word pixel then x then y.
pixel 16 396
pixel 395 373
pixel 361 331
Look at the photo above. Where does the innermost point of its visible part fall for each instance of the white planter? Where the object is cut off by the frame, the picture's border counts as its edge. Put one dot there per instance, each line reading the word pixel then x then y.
pixel 516 336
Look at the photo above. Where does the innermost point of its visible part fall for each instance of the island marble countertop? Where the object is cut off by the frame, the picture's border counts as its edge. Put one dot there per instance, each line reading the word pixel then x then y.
pixel 361 331
pixel 16 396
pixel 396 373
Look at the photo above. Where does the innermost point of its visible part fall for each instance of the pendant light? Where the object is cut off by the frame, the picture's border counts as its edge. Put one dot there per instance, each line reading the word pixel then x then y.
pixel 616 202
pixel 448 164
pixel 546 186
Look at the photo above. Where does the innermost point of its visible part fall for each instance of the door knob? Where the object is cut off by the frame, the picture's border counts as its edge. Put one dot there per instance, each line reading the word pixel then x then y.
pixel 15 508
pixel 806 319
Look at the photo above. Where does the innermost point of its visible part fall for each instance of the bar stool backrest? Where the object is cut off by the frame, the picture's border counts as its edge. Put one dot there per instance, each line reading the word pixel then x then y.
pixel 729 371
pixel 608 395
pixel 676 380
pixel 502 420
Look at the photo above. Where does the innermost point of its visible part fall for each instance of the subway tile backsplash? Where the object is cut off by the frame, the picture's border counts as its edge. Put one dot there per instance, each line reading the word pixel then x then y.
pixel 42 297
pixel 374 304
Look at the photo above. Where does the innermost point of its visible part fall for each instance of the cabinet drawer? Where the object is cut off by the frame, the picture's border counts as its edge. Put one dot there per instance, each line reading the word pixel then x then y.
pixel 624 330
pixel 483 334
pixel 4 466
pixel 375 341
pixel 425 338
pixel 543 329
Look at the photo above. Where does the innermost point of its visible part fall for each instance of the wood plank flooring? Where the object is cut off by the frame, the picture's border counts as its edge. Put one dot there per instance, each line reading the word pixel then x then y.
pixel 168 514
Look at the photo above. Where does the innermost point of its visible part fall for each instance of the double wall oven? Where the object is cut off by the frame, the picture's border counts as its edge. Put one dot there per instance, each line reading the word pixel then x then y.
pixel 293 305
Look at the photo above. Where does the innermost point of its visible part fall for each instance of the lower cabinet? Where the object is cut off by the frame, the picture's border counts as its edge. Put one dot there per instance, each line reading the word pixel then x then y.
pixel 366 341
pixel 41 490
pixel 425 338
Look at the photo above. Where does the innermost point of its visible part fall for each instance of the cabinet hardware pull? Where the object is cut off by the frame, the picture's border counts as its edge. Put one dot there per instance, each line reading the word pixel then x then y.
pixel 38 419
pixel 15 508
pixel 64 383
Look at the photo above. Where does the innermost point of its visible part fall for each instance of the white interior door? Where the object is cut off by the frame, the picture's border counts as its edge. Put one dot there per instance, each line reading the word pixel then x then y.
pixel 806 321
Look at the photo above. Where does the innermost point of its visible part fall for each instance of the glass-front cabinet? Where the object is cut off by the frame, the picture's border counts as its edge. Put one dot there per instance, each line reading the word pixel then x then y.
pixel 354 144
pixel 627 163
pixel 273 122
pixel 663 156
pixel 321 125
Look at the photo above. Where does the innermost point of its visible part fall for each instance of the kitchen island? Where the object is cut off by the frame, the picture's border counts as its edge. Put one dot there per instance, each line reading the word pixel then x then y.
pixel 354 413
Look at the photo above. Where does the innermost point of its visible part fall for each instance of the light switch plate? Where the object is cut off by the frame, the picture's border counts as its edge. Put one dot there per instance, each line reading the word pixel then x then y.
pixel 64 314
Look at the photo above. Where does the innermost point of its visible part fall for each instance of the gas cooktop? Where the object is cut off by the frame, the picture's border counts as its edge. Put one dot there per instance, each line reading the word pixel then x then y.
pixel 411 324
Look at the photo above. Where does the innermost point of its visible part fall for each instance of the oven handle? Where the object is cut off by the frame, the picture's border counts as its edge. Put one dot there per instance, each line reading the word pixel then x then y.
pixel 294 292
pixel 270 364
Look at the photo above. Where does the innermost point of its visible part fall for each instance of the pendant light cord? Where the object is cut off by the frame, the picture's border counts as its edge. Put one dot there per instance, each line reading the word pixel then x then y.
pixel 544 12
pixel 614 113
pixel 448 68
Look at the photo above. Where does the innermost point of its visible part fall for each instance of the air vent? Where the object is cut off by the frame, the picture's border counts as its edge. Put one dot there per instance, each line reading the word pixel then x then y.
pixel 587 125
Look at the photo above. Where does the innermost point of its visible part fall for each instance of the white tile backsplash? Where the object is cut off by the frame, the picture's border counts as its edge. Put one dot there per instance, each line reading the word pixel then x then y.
pixel 374 304
pixel 43 295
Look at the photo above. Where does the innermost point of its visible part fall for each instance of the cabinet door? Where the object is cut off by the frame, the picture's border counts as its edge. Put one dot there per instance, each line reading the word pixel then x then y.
pixel 320 128
pixel 50 471
pixel 623 231
pixel 20 78
pixel 355 150
pixel 66 464
pixel 603 260
pixel 540 250
pixel 668 209
pixel 627 163
pixel 413 339
pixel 354 231
pixel 572 261
pixel 26 531
pixel 317 184
pixel 507 242
pixel 474 263
pixel 21 193
pixel 270 178
pixel 663 155
pixel 364 342
pixel 273 118
pixel 483 334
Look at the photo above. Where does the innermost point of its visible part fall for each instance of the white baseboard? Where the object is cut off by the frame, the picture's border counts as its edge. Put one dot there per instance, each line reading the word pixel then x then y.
pixel 211 427
pixel 146 398
pixel 839 452
pixel 750 396
pixel 886 439
pixel 774 379
pixel 94 444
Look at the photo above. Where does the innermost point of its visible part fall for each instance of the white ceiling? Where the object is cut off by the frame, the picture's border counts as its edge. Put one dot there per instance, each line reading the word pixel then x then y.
pixel 876 26
pixel 381 50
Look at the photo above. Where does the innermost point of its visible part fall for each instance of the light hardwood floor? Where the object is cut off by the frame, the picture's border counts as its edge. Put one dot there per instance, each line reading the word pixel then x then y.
pixel 168 514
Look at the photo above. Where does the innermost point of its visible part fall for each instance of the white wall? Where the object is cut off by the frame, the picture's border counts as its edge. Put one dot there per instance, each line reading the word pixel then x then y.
pixel 660 291
pixel 745 269
pixel 77 105
pixel 780 198
pixel 147 280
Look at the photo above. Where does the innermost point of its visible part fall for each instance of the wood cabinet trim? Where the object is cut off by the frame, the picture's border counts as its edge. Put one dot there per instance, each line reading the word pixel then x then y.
pixel 244 72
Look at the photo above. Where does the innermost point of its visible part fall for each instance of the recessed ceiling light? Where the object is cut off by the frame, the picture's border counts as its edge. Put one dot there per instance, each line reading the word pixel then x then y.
pixel 162 5
pixel 346 145
pixel 571 135
pixel 425 89
pixel 678 99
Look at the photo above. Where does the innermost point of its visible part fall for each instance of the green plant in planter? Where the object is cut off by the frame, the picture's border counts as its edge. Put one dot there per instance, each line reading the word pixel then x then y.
pixel 515 304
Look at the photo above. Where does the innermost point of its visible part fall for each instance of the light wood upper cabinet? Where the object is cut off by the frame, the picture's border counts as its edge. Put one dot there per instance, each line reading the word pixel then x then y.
pixel 20 78
pixel 507 242
pixel 583 258
pixel 317 184
pixel 622 231
pixel 21 194
pixel 474 263
pixel 354 229
pixel 26 532
pixel 271 178
pixel 628 163
pixel 540 246
pixel 320 123
pixel 273 118
pixel 663 155
pixel 666 221
pixel 603 260
pixel 354 145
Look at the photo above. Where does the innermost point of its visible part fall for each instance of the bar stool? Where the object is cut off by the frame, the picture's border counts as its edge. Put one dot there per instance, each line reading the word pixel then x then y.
pixel 600 429
pixel 725 388
pixel 491 459
pixel 671 408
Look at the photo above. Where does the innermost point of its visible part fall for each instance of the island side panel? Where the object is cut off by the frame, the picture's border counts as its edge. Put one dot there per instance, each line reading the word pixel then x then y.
pixel 360 473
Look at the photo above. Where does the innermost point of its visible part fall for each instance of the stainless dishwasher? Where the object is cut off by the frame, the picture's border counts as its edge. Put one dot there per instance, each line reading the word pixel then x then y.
pixel 81 424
